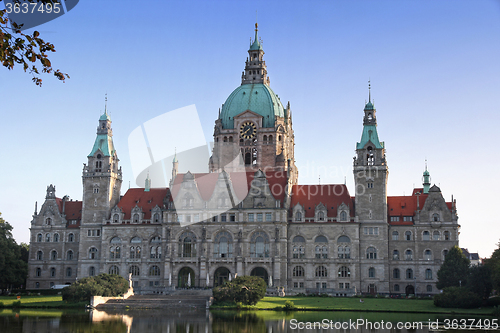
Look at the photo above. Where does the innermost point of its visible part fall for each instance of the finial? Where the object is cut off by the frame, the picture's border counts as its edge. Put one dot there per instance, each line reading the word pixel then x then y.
pixel 106 103
pixel 319 180
pixel 425 164
pixel 369 92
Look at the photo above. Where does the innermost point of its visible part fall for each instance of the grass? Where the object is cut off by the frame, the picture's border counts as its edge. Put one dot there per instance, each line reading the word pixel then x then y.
pixel 38 302
pixel 354 304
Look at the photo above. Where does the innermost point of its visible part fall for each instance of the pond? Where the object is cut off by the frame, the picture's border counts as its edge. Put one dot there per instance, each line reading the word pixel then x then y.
pixel 185 321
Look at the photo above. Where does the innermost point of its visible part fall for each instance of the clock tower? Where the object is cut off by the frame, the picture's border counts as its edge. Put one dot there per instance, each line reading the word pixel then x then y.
pixel 254 129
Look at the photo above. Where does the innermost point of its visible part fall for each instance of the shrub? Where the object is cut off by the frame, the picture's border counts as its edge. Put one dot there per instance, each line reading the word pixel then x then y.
pixel 102 285
pixel 456 297
pixel 493 301
pixel 245 289
pixel 301 295
pixel 289 305
pixel 16 304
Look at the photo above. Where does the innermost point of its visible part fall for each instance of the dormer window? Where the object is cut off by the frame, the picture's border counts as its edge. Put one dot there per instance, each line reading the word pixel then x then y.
pixel 136 218
pixel 435 217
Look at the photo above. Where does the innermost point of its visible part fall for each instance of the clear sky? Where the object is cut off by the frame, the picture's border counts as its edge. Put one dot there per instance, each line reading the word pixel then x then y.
pixel 434 68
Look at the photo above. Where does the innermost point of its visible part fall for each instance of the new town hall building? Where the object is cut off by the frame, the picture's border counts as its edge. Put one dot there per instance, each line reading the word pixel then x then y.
pixel 248 215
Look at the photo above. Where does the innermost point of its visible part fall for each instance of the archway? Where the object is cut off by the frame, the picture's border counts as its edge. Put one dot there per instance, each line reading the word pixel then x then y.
pixel 184 274
pixel 260 272
pixel 372 289
pixel 410 290
pixel 220 276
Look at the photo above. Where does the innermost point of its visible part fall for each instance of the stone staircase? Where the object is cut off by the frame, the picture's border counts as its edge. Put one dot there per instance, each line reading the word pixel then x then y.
pixel 194 299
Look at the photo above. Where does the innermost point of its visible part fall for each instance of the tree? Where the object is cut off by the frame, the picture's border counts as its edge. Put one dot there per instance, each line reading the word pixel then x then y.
pixel 494 265
pixel 102 285
pixel 28 50
pixel 455 269
pixel 245 289
pixel 13 269
pixel 479 281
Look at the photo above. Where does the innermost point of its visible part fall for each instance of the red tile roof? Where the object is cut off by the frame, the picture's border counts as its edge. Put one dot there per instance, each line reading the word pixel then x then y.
pixel 72 209
pixel 332 195
pixel 241 182
pixel 143 199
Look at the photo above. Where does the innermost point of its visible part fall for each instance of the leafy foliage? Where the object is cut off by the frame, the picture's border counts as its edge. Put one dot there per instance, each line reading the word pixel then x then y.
pixel 28 50
pixel 479 281
pixel 454 271
pixel 102 285
pixel 245 289
pixel 456 297
pixel 12 266
pixel 494 265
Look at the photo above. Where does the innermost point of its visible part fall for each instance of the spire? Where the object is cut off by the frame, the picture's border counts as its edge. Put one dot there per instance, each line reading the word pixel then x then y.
pixel 426 178
pixel 147 185
pixel 175 167
pixel 255 67
pixel 369 105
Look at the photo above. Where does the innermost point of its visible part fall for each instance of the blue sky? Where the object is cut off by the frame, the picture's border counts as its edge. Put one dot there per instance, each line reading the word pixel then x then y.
pixel 433 66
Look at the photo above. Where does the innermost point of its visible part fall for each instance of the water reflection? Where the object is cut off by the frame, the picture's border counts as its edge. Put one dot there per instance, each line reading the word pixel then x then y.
pixel 201 321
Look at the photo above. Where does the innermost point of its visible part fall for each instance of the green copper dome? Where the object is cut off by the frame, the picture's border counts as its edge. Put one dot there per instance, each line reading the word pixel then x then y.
pixel 258 98
pixel 369 106
pixel 105 116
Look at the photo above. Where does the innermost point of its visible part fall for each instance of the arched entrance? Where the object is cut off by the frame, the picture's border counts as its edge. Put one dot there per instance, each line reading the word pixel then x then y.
pixel 260 272
pixel 220 276
pixel 372 289
pixel 186 274
pixel 410 290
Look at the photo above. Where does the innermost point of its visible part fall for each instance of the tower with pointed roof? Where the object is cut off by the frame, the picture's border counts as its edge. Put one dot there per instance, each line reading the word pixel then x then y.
pixel 102 180
pixel 254 129
pixel 426 180
pixel 370 170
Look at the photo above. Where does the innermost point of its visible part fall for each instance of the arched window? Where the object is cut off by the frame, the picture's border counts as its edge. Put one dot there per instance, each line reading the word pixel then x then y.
pixel 135 252
pixel 428 274
pixel 446 235
pixel 155 252
pixel 321 271
pixel 154 271
pixel 56 238
pixel 91 271
pixel 445 252
pixel 395 255
pixel 53 255
pixel 409 273
pixel 69 255
pixel 435 217
pixel 298 216
pixel 115 240
pixel 39 255
pixel 298 271
pixel 396 273
pixel 408 255
pixel 135 218
pixel 395 235
pixel 259 245
pixel 321 216
pixel 264 139
pixel 408 235
pixel 223 245
pixel 370 158
pixel 38 272
pixel 69 272
pixel 426 236
pixel 371 253
pixel 134 270
pixel 435 235
pixel 92 253
pixel 52 272
pixel 321 251
pixel 48 221
pixel 270 139
pixel 344 272
pixel 116 218
pixel 343 216
pixel 429 288
pixel 114 270
pixel 187 245
pixel 396 287
pixel 298 249
pixel 188 200
pixel 39 238
pixel 115 252
pixel 343 239
pixel 156 218
pixel 371 272
pixel 47 237
pixel 428 255
pixel 71 238
pixel 298 239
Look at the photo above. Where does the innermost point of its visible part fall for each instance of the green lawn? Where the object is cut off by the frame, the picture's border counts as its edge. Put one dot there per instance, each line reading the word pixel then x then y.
pixel 38 301
pixel 368 304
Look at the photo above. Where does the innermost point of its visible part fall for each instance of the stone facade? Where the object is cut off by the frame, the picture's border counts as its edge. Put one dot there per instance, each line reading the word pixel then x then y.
pixel 248 216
